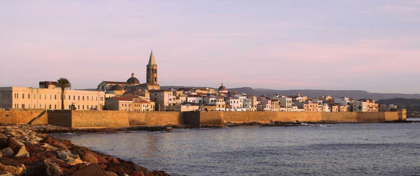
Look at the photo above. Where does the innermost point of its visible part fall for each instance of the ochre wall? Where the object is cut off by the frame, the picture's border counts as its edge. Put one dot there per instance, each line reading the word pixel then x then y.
pixel 23 116
pixel 60 118
pixel 267 117
pixel 211 118
pixel 99 119
pixel 154 118
pixel 117 119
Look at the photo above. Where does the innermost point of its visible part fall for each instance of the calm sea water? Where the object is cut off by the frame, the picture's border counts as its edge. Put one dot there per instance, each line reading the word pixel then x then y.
pixel 337 149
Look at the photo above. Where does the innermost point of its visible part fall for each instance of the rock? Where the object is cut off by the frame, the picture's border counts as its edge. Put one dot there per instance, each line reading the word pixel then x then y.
pixel 18 147
pixel 111 159
pixel 124 167
pixel 160 173
pixel 142 170
pixel 60 145
pixel 3 140
pixel 48 147
pixel 15 144
pixel 90 158
pixel 4 173
pixel 90 170
pixel 7 152
pixel 22 152
pixel 33 148
pixel 135 173
pixel 13 170
pixel 63 155
pixel 53 168
pixel 1 155
pixel 101 159
pixel 73 161
pixel 111 173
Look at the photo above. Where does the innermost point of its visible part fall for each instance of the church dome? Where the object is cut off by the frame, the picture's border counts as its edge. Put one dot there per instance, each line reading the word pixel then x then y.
pixel 117 87
pixel 133 80
pixel 222 87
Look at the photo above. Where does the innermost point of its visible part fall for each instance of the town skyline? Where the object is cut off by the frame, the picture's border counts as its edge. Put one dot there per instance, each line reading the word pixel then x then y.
pixel 371 46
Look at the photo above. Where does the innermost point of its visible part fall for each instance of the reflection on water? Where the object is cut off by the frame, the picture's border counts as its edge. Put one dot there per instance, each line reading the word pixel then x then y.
pixel 338 149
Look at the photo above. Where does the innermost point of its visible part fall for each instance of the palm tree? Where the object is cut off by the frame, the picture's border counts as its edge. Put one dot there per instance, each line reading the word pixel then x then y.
pixel 63 83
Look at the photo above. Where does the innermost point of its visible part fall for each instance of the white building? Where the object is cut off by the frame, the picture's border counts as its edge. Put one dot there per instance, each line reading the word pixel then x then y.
pixel 50 98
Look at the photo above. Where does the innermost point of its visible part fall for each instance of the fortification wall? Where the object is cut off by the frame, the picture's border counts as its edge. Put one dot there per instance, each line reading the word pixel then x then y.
pixel 117 119
pixel 269 116
pixel 211 118
pixel 99 119
pixel 23 116
pixel 60 118
pixel 154 118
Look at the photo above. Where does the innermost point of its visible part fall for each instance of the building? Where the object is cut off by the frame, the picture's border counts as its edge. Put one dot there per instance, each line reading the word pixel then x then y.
pixel 118 88
pixel 48 97
pixel 163 99
pixel 310 107
pixel 151 75
pixel 222 89
pixel 365 105
pixel 130 103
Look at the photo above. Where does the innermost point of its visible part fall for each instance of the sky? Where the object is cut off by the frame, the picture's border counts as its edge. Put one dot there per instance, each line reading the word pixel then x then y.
pixel 301 44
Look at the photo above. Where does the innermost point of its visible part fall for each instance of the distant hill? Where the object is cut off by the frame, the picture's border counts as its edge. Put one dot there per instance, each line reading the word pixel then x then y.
pixel 412 105
pixel 357 94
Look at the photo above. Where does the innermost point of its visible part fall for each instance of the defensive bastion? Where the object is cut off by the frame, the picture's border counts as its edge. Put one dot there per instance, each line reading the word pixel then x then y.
pixel 121 119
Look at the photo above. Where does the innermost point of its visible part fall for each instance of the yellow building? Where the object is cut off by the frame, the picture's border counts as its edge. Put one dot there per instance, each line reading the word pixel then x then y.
pixel 130 103
pixel 48 97
pixel 365 105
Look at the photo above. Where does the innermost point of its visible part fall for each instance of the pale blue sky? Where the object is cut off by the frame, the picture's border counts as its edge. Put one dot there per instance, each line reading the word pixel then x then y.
pixel 324 44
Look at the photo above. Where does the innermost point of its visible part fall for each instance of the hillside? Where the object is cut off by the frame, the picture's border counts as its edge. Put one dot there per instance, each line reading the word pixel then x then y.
pixel 358 94
pixel 412 105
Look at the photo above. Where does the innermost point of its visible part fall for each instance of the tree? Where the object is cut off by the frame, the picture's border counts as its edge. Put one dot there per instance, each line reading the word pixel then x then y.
pixel 63 83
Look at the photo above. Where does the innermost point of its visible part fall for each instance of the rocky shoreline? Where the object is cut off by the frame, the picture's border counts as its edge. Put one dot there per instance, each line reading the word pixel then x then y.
pixel 26 151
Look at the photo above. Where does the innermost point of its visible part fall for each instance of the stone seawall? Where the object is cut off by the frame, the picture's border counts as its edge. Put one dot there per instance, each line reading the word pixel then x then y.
pixel 24 116
pixel 219 118
pixel 121 119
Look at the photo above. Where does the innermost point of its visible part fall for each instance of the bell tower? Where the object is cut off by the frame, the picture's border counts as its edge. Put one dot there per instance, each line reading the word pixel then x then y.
pixel 151 73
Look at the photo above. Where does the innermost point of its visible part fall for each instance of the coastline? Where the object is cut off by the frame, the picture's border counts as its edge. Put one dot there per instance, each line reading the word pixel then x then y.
pixel 26 151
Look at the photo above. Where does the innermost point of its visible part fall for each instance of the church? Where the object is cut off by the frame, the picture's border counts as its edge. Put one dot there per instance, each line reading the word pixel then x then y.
pixel 133 85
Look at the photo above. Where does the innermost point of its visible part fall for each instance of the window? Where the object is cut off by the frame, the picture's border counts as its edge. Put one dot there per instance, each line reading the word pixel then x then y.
pixel 55 106
pixel 74 97
pixel 55 97
pixel 83 107
pixel 78 97
pixel 50 98
pixel 87 98
pixel 23 96
pixel 49 107
pixel 39 96
pixel 83 98
pixel 29 96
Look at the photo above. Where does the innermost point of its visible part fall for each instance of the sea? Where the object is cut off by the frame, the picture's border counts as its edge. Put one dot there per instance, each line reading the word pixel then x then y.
pixel 315 149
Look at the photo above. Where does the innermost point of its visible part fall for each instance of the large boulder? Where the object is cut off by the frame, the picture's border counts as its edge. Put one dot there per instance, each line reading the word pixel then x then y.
pixel 3 141
pixel 90 158
pixel 7 152
pixel 53 168
pixel 12 169
pixel 22 152
pixel 18 147
pixel 91 169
